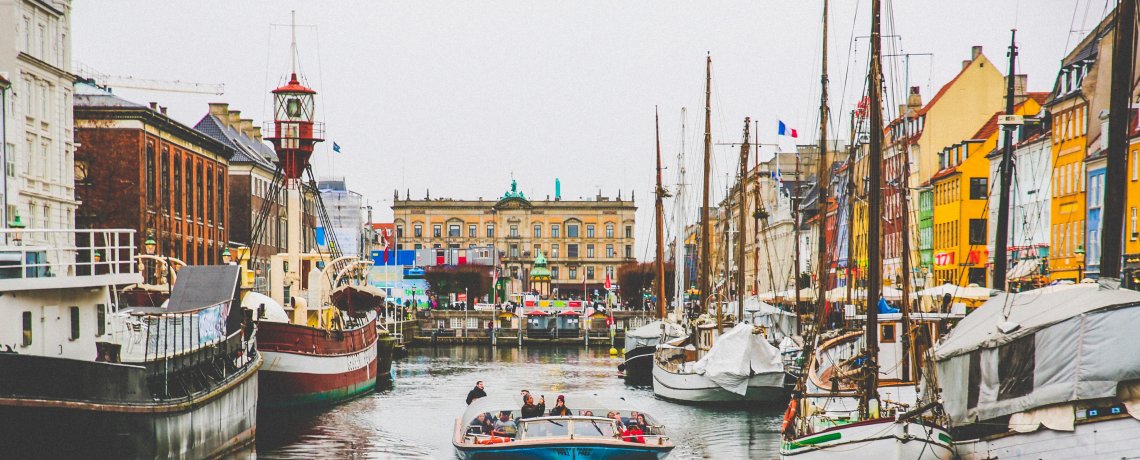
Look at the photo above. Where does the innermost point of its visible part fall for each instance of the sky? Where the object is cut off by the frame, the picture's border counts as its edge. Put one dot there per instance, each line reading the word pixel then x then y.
pixel 458 97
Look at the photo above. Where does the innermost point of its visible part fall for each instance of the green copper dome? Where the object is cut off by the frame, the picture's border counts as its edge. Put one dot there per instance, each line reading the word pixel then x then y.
pixel 540 272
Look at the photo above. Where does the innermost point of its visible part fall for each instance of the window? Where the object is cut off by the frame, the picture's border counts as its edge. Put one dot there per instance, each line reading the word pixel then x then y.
pixel 490 230
pixel 573 273
pixel 399 231
pixel 628 251
pixel 1016 363
pixel 553 273
pixel 979 188
pixel 437 230
pixel 27 324
pixel 554 231
pixel 977 231
pixel 571 230
pixel 537 230
pixel 629 231
pixel 514 250
pixel 418 246
pixel 436 246
pixel 101 318
pixel 1135 166
pixel 590 251
pixel 537 249
pixel 472 231
pixel 590 231
pixel 589 273
pixel 610 251
pixel 74 311
pixel 609 230
pixel 453 230
pixel 514 231
pixel 887 333
pixel 1133 234
pixel 418 230
pixel 572 251
pixel 150 182
pixel 554 250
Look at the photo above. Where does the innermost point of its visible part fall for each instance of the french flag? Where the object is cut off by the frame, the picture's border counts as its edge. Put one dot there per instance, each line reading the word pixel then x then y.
pixel 784 130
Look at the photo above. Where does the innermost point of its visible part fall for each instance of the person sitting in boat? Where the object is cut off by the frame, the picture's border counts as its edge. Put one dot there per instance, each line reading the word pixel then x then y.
pixel 503 424
pixel 641 423
pixel 615 416
pixel 530 409
pixel 588 413
pixel 633 433
pixel 524 394
pixel 479 425
pixel 476 392
pixel 560 409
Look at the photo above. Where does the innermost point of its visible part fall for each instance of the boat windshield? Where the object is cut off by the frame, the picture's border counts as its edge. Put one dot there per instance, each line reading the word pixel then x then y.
pixel 563 427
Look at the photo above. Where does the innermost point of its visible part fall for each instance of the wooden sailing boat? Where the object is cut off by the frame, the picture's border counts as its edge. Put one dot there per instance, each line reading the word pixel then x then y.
pixel 837 409
pixel 637 369
pixel 1078 397
pixel 706 366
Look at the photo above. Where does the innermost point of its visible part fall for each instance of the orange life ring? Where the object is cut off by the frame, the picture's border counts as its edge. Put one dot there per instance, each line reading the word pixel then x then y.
pixel 789 414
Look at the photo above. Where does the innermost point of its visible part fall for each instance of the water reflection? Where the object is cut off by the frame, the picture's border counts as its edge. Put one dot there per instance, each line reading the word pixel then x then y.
pixel 413 416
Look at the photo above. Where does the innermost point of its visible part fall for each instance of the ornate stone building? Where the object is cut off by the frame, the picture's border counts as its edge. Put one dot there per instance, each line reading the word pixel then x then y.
pixel 582 240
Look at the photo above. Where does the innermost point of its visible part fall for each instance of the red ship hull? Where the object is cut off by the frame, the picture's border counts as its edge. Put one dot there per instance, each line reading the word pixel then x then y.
pixel 311 366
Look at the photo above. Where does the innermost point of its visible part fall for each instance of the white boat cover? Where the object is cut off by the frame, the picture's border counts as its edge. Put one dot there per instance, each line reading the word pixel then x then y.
pixel 272 310
pixel 1019 352
pixel 780 323
pixel 650 334
pixel 737 355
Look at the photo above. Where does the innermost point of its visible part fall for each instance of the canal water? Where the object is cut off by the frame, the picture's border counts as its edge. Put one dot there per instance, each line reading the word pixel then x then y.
pixel 413 416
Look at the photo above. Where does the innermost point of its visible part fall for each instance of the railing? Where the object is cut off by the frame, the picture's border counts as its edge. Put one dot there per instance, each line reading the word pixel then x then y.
pixel 46 253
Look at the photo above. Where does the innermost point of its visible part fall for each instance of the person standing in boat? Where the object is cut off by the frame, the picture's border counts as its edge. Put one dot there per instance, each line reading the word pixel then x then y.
pixel 530 409
pixel 476 392
pixel 560 409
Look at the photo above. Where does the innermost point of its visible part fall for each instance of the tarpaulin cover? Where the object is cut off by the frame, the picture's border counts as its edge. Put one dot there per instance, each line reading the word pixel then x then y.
pixel 736 356
pixel 1061 343
pixel 649 334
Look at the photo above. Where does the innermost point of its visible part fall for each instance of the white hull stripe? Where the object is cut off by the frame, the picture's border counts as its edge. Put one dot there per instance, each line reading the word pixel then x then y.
pixel 316 364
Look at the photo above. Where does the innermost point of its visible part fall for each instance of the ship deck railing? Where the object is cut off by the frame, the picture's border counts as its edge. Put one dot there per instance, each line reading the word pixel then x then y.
pixel 32 259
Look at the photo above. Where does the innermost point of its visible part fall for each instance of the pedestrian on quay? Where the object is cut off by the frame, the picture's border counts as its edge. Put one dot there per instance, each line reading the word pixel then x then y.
pixel 560 409
pixel 530 409
pixel 476 392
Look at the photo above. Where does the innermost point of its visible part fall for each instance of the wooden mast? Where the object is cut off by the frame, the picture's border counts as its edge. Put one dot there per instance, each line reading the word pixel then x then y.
pixel 1001 239
pixel 822 185
pixel 874 216
pixel 1123 52
pixel 661 299
pixel 706 233
pixel 742 221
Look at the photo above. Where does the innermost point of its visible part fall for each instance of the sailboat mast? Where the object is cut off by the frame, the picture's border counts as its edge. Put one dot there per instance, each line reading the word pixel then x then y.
pixel 706 232
pixel 661 299
pixel 679 269
pixel 904 208
pixel 850 187
pixel 742 220
pixel 1123 51
pixel 1001 237
pixel 822 182
pixel 874 211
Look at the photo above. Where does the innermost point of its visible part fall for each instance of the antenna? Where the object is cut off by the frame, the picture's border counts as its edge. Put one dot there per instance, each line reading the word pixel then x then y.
pixel 293 41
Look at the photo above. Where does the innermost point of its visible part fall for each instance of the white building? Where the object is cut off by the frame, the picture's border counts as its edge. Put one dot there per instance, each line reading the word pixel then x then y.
pixel 345 209
pixel 38 137
pixel 1030 192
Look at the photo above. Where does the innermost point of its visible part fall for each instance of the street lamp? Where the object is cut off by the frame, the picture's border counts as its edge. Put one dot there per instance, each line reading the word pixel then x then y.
pixel 227 258
pixel 1080 253
pixel 150 246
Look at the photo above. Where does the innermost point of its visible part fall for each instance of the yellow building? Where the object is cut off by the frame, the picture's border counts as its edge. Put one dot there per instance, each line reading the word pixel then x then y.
pixel 582 240
pixel 961 192
pixel 1130 273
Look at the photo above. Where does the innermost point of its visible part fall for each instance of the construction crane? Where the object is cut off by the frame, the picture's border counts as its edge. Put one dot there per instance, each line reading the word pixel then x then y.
pixel 170 86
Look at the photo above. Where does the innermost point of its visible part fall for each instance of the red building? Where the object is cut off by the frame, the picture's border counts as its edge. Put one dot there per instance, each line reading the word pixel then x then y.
pixel 137 168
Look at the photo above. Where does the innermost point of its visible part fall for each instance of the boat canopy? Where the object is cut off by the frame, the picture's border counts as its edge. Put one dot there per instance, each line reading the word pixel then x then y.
pixel 650 334
pixel 1022 351
pixel 576 403
pixel 736 356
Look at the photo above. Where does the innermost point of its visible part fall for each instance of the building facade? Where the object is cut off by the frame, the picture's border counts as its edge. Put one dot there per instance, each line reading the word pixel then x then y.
pixel 346 216
pixel 38 139
pixel 581 240
pixel 137 168
pixel 250 181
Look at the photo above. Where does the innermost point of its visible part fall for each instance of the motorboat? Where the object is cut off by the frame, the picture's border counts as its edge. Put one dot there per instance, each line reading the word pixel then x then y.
pixel 640 343
pixel 585 434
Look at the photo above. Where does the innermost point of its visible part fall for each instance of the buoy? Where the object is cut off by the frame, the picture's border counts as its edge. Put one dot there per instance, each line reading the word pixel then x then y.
pixel 613 351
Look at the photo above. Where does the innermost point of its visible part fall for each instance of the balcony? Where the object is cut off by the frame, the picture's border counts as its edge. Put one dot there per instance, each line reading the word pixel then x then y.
pixel 33 259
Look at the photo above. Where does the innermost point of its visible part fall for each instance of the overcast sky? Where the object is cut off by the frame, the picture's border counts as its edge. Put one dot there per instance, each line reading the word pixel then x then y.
pixel 456 96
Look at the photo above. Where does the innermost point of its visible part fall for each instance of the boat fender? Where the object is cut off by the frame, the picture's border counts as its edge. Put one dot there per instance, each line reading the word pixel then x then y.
pixel 789 415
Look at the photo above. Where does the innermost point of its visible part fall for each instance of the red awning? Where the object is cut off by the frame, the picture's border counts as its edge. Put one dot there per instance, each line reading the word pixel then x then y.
pixel 536 313
pixel 569 312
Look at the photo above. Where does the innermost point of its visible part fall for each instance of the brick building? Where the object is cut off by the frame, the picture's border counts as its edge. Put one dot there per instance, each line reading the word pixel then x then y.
pixel 137 168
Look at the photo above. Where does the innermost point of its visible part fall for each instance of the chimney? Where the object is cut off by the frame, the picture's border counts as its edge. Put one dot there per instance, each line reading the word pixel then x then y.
pixel 220 110
pixel 245 127
pixel 154 106
pixel 975 51
pixel 966 63
pixel 162 109
pixel 1020 87
pixel 256 133
pixel 235 116
pixel 914 99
